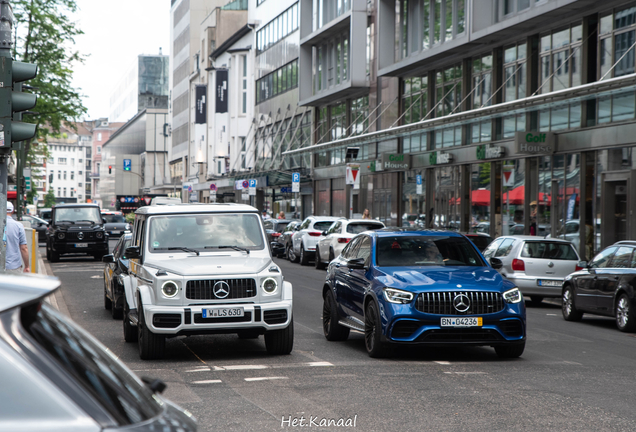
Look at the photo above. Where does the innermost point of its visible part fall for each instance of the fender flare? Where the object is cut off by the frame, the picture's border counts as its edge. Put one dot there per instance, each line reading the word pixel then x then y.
pixel 288 292
pixel 145 294
pixel 129 292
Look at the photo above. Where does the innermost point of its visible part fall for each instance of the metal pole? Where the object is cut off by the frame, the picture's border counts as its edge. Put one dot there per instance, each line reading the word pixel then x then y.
pixel 3 211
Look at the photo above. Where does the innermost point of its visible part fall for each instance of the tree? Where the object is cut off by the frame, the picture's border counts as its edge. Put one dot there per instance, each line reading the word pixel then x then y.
pixel 45 36
pixel 49 198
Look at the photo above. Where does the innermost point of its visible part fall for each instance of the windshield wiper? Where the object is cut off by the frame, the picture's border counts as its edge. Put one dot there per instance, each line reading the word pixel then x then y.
pixel 238 248
pixel 86 220
pixel 185 249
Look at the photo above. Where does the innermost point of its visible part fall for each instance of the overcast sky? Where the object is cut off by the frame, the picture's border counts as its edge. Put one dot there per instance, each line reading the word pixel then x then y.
pixel 115 33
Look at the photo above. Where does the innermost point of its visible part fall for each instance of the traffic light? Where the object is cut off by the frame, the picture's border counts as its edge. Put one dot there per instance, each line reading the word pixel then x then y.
pixel 110 169
pixel 13 102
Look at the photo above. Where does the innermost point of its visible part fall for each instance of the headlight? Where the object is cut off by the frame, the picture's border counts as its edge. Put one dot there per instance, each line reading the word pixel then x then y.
pixel 393 295
pixel 169 289
pixel 513 296
pixel 99 234
pixel 61 235
pixel 269 285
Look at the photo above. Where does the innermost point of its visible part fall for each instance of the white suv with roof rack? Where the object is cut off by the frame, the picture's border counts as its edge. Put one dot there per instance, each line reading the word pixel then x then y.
pixel 204 269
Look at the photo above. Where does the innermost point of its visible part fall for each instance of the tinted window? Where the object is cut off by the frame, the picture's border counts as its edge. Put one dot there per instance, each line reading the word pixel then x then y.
pixel 549 250
pixel 204 231
pixel 349 251
pixel 77 214
pixel 505 248
pixel 481 242
pixel 357 228
pixel 622 258
pixel 364 251
pixel 281 226
pixel 601 260
pixel 114 218
pixel 322 226
pixel 426 250
pixel 125 398
pixel 305 224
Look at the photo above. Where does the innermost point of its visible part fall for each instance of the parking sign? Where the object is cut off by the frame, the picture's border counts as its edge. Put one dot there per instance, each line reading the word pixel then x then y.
pixel 295 182
pixel 127 164
pixel 252 187
pixel 418 184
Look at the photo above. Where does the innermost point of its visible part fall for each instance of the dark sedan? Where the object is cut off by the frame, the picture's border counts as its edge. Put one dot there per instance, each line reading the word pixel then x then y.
pixel 39 225
pixel 57 377
pixel 403 286
pixel 115 269
pixel 273 230
pixel 605 286
pixel 115 223
pixel 283 241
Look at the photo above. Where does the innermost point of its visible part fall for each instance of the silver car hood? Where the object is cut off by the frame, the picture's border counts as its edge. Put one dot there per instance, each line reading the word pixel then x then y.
pixel 210 265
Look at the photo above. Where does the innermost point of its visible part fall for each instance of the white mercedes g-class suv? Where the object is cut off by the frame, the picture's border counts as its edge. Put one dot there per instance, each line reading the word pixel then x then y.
pixel 204 269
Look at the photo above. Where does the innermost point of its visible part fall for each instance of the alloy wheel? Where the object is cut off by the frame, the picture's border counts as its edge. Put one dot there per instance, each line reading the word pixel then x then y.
pixel 622 312
pixel 326 314
pixel 369 329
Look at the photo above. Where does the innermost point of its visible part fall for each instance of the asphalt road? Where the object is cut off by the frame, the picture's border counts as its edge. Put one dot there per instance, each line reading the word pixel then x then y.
pixel 572 376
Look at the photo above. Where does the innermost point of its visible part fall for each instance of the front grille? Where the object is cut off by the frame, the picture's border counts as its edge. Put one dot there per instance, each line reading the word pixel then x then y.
pixel 404 329
pixel 511 327
pixel 204 289
pixel 198 319
pixel 88 235
pixel 166 320
pixel 460 335
pixel 275 316
pixel 441 303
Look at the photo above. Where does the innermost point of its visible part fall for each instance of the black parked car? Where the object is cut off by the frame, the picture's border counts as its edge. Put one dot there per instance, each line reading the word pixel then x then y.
pixel 481 240
pixel 605 286
pixel 115 269
pixel 280 243
pixel 56 376
pixel 39 225
pixel 76 229
pixel 273 230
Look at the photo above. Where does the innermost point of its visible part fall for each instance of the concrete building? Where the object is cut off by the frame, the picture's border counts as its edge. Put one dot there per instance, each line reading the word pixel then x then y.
pixel 101 130
pixel 137 154
pixel 144 85
pixel 478 114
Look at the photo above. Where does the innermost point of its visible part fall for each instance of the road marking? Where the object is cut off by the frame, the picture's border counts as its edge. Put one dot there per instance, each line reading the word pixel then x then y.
pixel 443 362
pixel 207 382
pixel 319 364
pixel 279 366
pixel 265 378
pixel 552 315
pixel 241 367
pixel 466 373
pixel 203 369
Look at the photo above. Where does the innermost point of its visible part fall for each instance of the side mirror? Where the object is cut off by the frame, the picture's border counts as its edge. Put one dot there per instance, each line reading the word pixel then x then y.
pixel 324 233
pixel 103 220
pixel 110 258
pixel 356 263
pixel 132 252
pixel 582 264
pixel 496 263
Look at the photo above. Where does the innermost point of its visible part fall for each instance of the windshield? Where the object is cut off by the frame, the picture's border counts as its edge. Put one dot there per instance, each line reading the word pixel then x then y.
pixel 402 251
pixel 97 371
pixel 114 218
pixel 76 214
pixel 357 228
pixel 205 232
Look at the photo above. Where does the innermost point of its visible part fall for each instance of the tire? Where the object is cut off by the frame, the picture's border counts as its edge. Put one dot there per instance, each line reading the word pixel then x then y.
pixel 510 351
pixel 130 332
pixel 331 255
pixel 108 304
pixel 318 261
pixel 151 346
pixel 568 307
pixel 332 330
pixel 625 319
pixel 373 332
pixel 55 257
pixel 280 342
pixel 304 259
pixel 536 300
pixel 291 256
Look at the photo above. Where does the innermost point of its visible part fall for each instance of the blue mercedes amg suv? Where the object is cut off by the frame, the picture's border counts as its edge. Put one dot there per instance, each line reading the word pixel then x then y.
pixel 405 286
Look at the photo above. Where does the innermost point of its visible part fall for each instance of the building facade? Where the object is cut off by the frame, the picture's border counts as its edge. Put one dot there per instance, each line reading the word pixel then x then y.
pixel 477 115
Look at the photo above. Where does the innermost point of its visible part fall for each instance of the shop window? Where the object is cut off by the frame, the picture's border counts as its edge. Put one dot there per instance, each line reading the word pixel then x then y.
pixel 480 197
pixel 560 117
pixel 513 198
pixel 512 124
pixel 414 143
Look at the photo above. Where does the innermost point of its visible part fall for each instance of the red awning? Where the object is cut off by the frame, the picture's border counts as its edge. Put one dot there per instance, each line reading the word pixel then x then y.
pixel 480 197
pixel 517 196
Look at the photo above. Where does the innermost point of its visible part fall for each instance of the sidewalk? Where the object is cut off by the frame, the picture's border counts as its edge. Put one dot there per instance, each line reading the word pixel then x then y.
pixel 56 299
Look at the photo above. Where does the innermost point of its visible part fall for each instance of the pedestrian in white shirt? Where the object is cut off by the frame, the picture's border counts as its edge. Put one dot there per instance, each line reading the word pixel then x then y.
pixel 17 253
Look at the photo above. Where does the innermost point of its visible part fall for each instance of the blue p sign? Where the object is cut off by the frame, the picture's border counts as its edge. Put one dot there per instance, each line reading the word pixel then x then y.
pixel 295 177
pixel 252 183
pixel 127 164
pixel 418 179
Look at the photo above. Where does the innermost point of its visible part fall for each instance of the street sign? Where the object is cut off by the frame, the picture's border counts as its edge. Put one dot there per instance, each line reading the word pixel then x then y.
pixel 213 187
pixel 295 182
pixel 353 174
pixel 418 184
pixel 252 187
pixel 245 196
pixel 286 190
pixel 127 164
pixel 35 199
pixel 508 176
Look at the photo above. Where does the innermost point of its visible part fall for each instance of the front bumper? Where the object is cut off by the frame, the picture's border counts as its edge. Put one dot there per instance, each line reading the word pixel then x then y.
pixel 72 248
pixel 171 320
pixel 405 325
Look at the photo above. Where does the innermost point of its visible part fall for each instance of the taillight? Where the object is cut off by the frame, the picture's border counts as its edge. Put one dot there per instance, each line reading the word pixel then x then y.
pixel 276 235
pixel 518 265
pixel 577 268
pixel 315 233
pixel 343 240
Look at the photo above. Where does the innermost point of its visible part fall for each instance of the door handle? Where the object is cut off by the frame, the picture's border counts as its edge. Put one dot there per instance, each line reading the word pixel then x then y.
pixel 337 265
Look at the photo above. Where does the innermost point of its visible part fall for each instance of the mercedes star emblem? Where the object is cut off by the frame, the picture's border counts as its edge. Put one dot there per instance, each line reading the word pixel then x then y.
pixel 461 302
pixel 221 289
pixel 550 264
pixel 80 235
